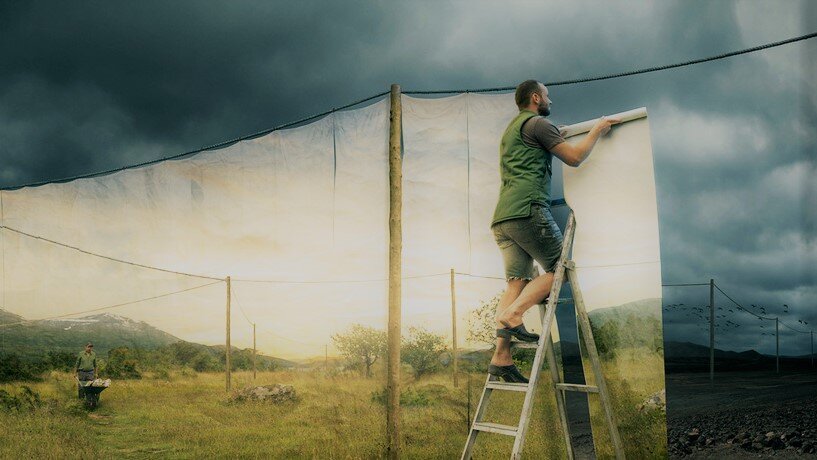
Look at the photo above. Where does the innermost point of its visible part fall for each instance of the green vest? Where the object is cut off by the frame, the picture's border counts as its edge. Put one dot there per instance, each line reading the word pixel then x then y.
pixel 525 173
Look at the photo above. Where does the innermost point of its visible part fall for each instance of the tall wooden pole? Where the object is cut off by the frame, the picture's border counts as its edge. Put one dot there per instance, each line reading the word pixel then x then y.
pixel 395 252
pixel 776 346
pixel 711 330
pixel 326 356
pixel 454 327
pixel 254 353
pixel 227 351
pixel 812 348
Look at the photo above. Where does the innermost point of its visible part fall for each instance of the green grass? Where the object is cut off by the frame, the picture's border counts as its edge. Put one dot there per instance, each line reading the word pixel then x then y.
pixel 631 376
pixel 335 418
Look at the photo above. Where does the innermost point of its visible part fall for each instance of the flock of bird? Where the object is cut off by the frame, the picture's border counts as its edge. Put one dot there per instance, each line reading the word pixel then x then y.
pixel 702 312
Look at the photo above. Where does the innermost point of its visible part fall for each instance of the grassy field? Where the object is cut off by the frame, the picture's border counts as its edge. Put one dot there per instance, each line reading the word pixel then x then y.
pixel 190 417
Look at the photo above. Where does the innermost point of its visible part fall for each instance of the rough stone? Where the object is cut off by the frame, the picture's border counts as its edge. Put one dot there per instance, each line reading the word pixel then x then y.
pixel 275 393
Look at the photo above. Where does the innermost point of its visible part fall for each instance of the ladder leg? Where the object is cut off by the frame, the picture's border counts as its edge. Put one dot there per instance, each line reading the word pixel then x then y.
pixel 481 408
pixel 527 406
pixel 560 394
pixel 592 352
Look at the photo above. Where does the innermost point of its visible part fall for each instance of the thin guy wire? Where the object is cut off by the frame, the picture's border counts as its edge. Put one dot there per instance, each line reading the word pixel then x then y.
pixel 238 302
pixel 480 90
pixel 107 257
pixel 762 317
pixel 468 181
pixel 109 306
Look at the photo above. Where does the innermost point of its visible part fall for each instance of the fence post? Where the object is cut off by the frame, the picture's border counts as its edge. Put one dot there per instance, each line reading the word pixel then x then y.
pixel 395 252
pixel 711 330
pixel 454 327
pixel 227 350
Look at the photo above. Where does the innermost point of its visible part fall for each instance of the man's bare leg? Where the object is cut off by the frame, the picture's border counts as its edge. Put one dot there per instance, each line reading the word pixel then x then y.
pixel 533 293
pixel 502 353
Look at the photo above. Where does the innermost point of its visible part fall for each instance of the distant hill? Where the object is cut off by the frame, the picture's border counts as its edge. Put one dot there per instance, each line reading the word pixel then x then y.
pixel 642 308
pixel 105 330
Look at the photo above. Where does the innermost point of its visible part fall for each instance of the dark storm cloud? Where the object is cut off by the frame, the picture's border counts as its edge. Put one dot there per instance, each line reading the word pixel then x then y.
pixel 95 86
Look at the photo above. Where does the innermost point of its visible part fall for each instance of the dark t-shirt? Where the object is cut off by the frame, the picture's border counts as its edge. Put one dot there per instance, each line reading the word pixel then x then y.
pixel 540 132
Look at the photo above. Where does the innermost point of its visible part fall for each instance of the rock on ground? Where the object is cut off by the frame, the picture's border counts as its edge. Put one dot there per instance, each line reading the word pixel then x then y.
pixel 276 393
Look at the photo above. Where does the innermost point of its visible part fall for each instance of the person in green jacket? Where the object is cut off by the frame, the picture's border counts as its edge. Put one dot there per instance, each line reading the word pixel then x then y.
pixel 86 367
pixel 522 224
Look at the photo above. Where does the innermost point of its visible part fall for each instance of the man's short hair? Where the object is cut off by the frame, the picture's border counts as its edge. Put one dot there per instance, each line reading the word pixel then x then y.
pixel 89 344
pixel 524 92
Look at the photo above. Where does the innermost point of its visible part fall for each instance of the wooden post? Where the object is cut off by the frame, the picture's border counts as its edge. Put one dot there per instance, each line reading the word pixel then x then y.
pixel 776 346
pixel 326 356
pixel 454 327
pixel 254 353
pixel 812 348
pixel 227 350
pixel 395 253
pixel 711 330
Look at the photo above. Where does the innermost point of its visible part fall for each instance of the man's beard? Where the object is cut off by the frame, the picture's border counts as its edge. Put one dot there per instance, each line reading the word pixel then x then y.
pixel 544 110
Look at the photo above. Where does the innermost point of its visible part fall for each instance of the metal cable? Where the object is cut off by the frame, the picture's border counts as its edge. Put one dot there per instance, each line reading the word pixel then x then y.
pixel 739 305
pixel 107 257
pixel 109 306
pixel 633 72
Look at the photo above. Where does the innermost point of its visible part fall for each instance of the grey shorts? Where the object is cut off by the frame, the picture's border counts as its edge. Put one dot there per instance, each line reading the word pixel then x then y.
pixel 525 239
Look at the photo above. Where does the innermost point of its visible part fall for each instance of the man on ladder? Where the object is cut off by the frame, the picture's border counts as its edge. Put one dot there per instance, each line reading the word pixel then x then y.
pixel 522 224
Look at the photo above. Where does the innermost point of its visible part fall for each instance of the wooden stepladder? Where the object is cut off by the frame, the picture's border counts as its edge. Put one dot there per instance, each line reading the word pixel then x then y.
pixel 564 269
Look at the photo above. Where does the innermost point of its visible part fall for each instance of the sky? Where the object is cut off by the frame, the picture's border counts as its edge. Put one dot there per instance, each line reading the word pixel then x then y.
pixel 97 86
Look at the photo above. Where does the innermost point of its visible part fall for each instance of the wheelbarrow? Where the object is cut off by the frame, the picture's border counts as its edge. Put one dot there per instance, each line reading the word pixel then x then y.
pixel 91 390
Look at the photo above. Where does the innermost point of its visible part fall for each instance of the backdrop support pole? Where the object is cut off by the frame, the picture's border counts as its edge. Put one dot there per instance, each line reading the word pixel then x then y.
pixel 227 348
pixel 711 330
pixel 395 252
pixel 454 328
pixel 776 345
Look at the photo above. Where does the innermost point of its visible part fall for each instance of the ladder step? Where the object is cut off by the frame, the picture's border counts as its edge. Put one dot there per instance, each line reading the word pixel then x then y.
pixel 516 344
pixel 510 386
pixel 577 387
pixel 495 428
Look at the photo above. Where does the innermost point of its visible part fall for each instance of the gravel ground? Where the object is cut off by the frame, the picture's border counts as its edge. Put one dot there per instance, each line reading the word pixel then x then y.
pixel 743 415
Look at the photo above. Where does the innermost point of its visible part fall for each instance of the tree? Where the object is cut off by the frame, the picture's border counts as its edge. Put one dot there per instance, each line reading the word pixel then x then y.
pixel 361 344
pixel 482 322
pixel 422 350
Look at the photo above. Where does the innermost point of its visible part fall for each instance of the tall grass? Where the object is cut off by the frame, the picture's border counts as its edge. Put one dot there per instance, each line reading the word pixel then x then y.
pixel 190 416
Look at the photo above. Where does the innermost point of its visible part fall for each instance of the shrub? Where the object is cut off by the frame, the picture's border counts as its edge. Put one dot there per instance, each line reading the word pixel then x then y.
pixel 13 368
pixel 122 364
pixel 26 400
